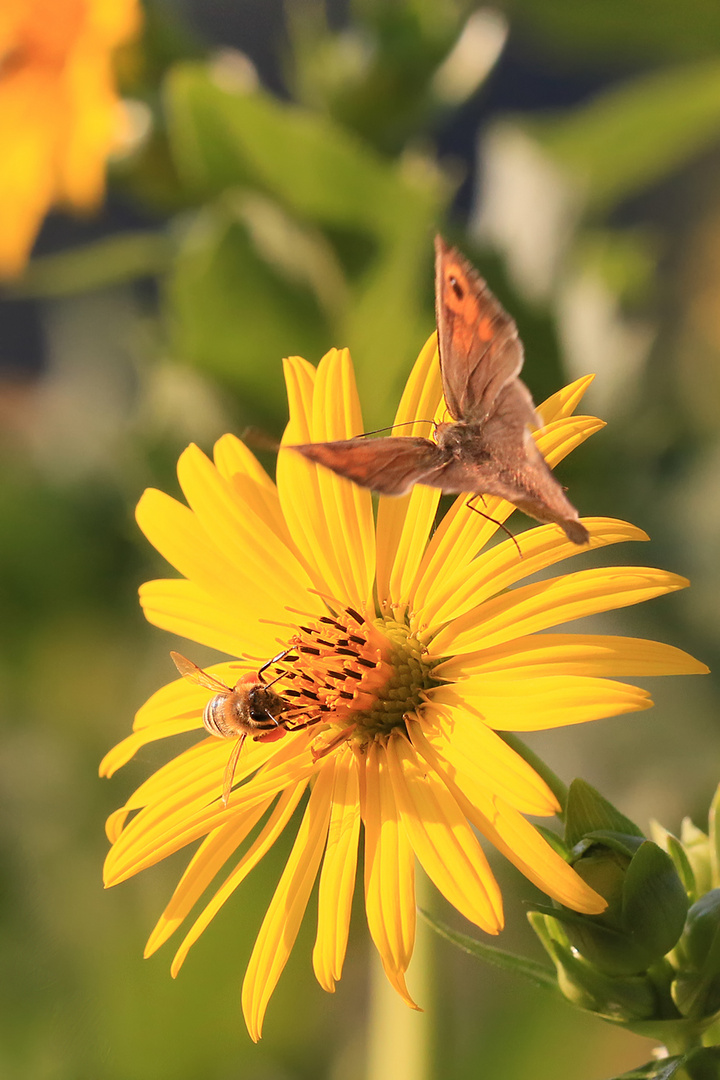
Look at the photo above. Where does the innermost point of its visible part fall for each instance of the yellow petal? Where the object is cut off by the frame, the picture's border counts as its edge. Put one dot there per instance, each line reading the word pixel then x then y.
pixel 198 876
pixel 239 532
pixel 180 538
pixel 509 704
pixel 472 749
pixel 564 402
pixel 128 747
pixel 389 873
pixel 348 508
pixel 183 608
pixel 511 834
pixel 313 522
pixel 337 878
pixel 574 654
pixel 251 484
pixel 207 861
pixel 287 907
pixel 404 523
pixel 185 814
pixel 500 567
pixel 442 839
pixel 547 603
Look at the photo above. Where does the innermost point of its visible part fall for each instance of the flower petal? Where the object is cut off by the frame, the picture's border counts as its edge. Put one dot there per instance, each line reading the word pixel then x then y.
pixel 404 523
pixel 565 401
pixel 180 538
pixel 500 567
pixel 240 533
pixel 515 837
pixel 472 749
pixel 509 704
pixel 251 484
pixel 574 654
pixel 389 873
pixel 189 811
pixel 207 861
pixel 199 874
pixel 546 603
pixel 128 747
pixel 287 907
pixel 183 608
pixel 337 878
pixel 319 532
pixel 348 508
pixel 442 839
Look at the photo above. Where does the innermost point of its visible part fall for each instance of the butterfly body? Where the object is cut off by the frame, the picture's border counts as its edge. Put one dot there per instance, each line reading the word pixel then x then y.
pixel 488 447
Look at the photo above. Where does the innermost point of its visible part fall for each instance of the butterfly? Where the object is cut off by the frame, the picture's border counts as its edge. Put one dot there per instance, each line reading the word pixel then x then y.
pixel 487 448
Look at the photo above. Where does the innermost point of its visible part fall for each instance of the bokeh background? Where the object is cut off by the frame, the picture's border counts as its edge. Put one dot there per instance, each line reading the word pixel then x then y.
pixel 287 167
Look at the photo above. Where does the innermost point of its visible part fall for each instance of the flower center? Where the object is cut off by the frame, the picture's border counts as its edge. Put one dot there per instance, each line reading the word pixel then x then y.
pixel 363 677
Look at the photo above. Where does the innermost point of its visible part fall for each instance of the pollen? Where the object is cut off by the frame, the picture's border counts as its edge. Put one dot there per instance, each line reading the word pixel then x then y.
pixel 358 678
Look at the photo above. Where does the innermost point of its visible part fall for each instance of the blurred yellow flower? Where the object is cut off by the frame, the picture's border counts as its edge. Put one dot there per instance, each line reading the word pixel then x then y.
pixel 59 112
pixel 412 648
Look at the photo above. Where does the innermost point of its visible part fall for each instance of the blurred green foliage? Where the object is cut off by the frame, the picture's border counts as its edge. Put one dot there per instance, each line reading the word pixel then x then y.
pixel 288 227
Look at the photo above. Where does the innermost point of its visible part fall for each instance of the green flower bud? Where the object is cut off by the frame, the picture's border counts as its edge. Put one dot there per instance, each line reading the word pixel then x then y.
pixel 647 905
pixel 618 998
pixel 696 988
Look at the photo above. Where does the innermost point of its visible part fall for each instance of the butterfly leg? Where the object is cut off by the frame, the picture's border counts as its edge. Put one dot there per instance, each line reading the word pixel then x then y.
pixel 487 517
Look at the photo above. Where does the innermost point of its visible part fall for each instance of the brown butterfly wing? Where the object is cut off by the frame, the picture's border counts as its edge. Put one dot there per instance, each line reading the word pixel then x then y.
pixel 500 457
pixel 390 466
pixel 480 351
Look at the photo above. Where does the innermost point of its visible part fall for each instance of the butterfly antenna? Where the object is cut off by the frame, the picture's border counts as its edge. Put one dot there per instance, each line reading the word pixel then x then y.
pixel 487 517
pixel 405 423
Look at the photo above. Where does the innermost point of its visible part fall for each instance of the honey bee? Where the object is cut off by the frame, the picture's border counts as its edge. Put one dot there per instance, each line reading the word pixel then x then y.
pixel 251 707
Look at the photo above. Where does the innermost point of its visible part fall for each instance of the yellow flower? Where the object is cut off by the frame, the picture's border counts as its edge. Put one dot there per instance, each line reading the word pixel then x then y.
pixel 59 112
pixel 409 652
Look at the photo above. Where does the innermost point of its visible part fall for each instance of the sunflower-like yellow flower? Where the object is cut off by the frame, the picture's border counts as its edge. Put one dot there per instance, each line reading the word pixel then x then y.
pixel 409 650
pixel 59 112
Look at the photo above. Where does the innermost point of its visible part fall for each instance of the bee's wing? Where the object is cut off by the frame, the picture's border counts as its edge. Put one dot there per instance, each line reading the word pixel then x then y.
pixel 195 674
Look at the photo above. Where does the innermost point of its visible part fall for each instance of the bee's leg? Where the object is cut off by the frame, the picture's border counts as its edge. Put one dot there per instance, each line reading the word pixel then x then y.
pixel 289 726
pixel 270 735
pixel 229 774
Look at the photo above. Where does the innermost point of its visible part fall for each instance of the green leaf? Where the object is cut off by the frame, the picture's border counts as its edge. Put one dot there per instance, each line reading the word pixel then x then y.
pixel 587 811
pixel 111 261
pixel 633 135
pixel 225 137
pixel 234 315
pixel 531 970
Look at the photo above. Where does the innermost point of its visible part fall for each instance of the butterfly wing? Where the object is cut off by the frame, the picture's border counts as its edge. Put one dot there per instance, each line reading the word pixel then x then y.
pixel 390 466
pixel 480 351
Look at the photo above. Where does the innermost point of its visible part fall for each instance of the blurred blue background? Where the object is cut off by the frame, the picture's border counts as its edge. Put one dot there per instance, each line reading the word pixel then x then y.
pixel 289 166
